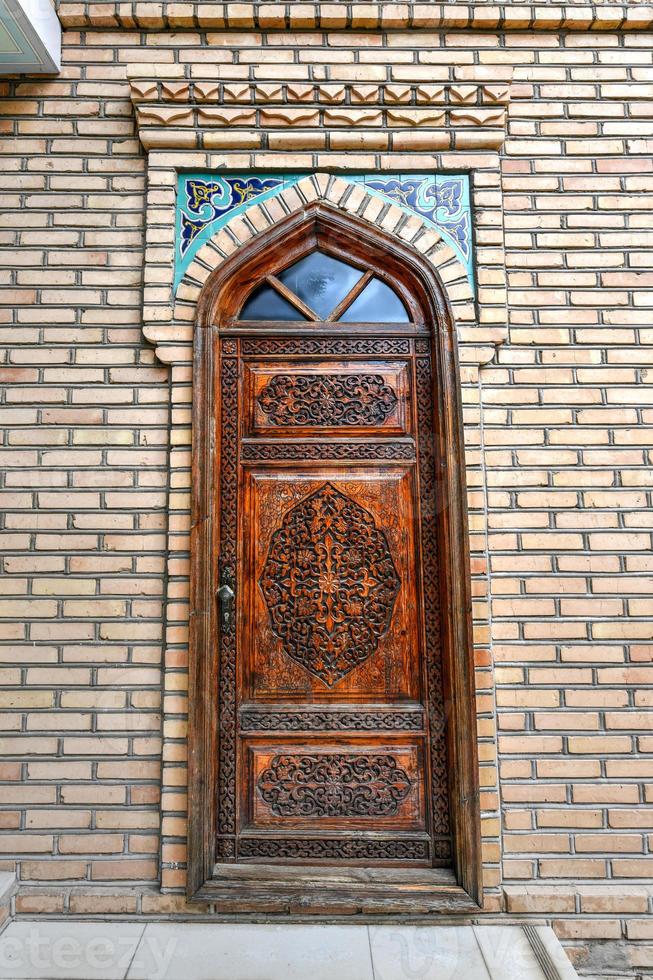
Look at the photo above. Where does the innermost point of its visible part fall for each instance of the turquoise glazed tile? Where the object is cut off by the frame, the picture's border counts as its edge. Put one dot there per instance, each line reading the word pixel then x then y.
pixel 206 201
pixel 441 199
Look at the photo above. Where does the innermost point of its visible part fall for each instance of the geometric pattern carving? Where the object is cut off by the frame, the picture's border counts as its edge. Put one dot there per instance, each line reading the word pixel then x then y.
pixel 327 345
pixel 322 849
pixel 328 399
pixel 340 785
pixel 330 584
pixel 344 721
pixel 326 450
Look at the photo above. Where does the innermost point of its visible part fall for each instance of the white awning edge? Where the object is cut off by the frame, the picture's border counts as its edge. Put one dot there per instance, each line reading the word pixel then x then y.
pixel 30 38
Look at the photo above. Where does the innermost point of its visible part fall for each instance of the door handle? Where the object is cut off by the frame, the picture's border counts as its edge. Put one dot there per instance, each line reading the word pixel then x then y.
pixel 226 596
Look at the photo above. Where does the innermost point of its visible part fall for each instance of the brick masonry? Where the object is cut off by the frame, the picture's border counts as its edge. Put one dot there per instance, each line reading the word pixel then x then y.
pixel 558 410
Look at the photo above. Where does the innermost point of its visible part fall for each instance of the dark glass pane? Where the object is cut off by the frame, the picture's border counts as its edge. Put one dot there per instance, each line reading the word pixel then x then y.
pixel 265 303
pixel 376 304
pixel 320 281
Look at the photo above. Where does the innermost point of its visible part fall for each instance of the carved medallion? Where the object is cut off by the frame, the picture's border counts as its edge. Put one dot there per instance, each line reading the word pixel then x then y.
pixel 327 399
pixel 334 785
pixel 330 584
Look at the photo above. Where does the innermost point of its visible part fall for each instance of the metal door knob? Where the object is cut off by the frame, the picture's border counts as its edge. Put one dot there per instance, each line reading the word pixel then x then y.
pixel 226 596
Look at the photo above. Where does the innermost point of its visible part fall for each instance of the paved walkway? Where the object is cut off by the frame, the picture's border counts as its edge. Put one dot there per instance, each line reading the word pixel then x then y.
pixel 76 950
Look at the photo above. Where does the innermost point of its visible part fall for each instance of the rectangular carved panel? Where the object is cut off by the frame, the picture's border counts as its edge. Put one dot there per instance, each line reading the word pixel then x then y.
pixel 330 585
pixel 301 398
pixel 377 850
pixel 335 785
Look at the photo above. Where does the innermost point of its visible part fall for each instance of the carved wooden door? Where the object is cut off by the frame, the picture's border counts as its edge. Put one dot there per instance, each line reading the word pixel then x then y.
pixel 331 727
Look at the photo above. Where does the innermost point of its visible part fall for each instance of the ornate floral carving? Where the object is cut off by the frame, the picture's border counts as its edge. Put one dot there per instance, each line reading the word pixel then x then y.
pixel 330 584
pixel 325 849
pixel 225 847
pixel 327 399
pixel 334 785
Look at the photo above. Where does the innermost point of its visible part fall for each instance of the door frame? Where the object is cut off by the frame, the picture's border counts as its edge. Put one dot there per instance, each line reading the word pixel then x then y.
pixel 253 885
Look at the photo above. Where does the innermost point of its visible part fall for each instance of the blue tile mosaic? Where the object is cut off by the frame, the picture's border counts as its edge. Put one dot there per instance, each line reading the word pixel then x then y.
pixel 205 202
pixel 442 199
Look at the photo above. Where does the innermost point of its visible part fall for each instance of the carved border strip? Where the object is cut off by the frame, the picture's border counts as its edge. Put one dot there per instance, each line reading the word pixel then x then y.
pixel 297 721
pixel 326 345
pixel 327 849
pixel 429 494
pixel 198 118
pixel 228 530
pixel 365 450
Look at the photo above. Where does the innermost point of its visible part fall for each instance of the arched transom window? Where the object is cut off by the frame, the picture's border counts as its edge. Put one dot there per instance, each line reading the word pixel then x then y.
pixel 322 288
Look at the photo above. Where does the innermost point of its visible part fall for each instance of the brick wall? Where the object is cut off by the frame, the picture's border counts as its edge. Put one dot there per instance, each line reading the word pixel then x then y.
pixel 565 415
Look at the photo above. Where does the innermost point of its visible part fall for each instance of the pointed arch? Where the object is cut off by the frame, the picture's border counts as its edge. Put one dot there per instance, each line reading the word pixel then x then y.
pixel 321 223
pixel 334 193
pixel 399 261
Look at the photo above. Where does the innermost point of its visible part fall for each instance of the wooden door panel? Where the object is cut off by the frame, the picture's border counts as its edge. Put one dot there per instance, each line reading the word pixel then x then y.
pixel 336 749
pixel 334 785
pixel 300 398
pixel 330 588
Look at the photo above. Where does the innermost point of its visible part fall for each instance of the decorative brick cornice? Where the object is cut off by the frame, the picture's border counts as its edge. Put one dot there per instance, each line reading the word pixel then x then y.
pixel 144 90
pixel 176 107
pixel 588 16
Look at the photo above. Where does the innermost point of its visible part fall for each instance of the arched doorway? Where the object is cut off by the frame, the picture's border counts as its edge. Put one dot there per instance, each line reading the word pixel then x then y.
pixel 332 729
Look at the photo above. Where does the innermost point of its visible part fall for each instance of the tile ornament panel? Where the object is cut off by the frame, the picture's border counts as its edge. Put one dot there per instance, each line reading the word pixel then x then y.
pixel 443 199
pixel 206 201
